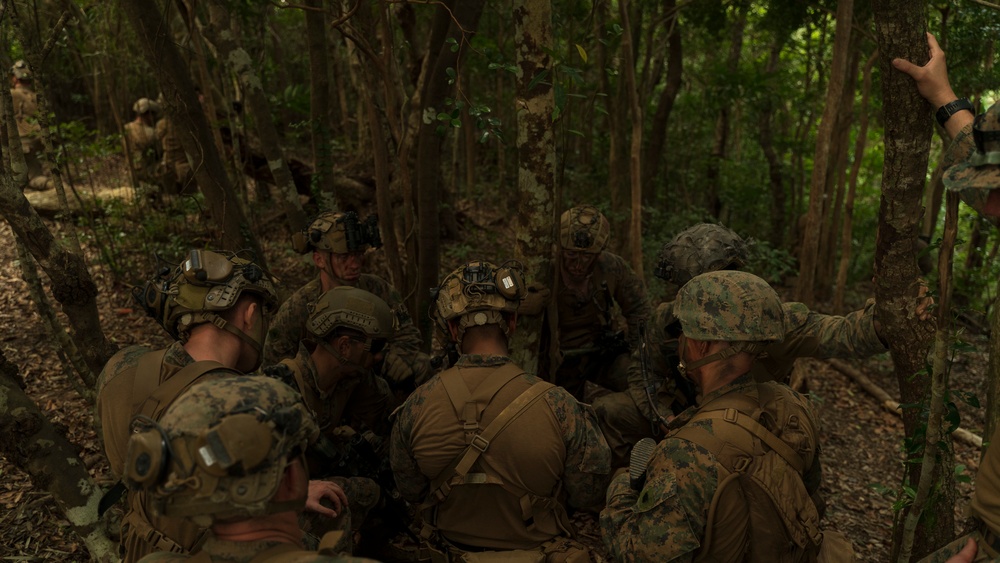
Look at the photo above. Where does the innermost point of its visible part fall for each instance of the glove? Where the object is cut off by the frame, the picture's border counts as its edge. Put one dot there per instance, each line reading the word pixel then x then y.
pixel 536 301
pixel 397 370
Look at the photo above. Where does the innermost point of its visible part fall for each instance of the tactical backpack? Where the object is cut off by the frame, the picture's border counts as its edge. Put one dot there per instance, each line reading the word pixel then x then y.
pixel 759 488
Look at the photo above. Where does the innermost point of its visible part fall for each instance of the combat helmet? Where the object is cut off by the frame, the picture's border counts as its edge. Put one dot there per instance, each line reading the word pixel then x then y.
pixel 584 229
pixel 220 450
pixel 354 309
pixel 21 70
pixel 981 171
pixel 200 288
pixel 702 248
pixel 477 294
pixel 145 105
pixel 339 233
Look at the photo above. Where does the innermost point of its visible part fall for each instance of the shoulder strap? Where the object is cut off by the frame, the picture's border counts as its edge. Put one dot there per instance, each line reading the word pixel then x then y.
pixel 468 406
pixel 153 402
pixel 440 487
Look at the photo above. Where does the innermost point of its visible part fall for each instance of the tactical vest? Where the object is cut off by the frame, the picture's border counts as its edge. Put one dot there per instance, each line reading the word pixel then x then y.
pixel 151 395
pixel 761 510
pixel 470 477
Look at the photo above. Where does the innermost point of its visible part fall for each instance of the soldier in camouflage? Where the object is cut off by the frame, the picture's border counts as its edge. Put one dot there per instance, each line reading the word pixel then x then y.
pixel 702 493
pixel 228 455
pixel 662 392
pixel 595 288
pixel 338 242
pixel 489 450
pixel 140 137
pixel 25 108
pixel 348 329
pixel 973 162
pixel 213 304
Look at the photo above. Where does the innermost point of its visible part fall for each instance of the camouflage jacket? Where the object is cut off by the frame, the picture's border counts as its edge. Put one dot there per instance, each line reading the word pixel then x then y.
pixel 287 328
pixel 115 404
pixel 555 443
pixel 962 147
pixel 583 320
pixel 220 551
pixel 667 519
pixel 809 335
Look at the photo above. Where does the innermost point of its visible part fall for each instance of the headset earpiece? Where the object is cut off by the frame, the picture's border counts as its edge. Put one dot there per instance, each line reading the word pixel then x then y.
pixel 147 458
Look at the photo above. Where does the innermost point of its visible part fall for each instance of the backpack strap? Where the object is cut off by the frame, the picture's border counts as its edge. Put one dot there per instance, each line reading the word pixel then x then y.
pixel 733 416
pixel 469 407
pixel 440 488
pixel 150 397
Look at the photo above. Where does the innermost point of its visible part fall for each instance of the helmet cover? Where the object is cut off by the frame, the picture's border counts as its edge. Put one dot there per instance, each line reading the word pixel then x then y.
pixel 702 248
pixel 479 292
pixel 220 450
pixel 584 229
pixel 730 306
pixel 353 308
pixel 338 233
pixel 21 70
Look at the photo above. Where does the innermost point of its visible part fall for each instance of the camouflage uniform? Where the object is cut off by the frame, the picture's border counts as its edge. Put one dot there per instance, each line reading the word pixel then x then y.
pixel 115 386
pixel 288 325
pixel 547 449
pixel 627 417
pixel 667 520
pixel 584 321
pixel 175 170
pixel 142 141
pixel 25 108
pixel 219 551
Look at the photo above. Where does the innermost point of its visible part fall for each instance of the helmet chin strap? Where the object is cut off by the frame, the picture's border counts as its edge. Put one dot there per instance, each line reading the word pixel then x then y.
pixel 256 343
pixel 328 270
pixel 752 348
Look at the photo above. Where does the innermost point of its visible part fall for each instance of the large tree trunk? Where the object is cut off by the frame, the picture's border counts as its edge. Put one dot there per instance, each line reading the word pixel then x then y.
pixel 226 35
pixel 30 442
pixel 809 252
pixel 654 153
pixel 193 129
pixel 899 26
pixel 536 218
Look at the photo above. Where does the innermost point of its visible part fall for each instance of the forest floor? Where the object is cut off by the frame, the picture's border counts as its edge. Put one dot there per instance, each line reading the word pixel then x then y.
pixel 861 441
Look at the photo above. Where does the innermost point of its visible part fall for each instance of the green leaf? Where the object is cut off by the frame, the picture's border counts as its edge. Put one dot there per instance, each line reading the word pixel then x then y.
pixel 450 72
pixel 538 78
pixel 968 398
pixel 575 132
pixel 443 116
pixel 484 136
pixel 582 51
pixel 456 123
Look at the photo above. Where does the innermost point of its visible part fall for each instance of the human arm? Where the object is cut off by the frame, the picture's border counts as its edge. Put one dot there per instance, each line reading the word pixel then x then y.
pixel 588 457
pixel 413 485
pixel 933 84
pixel 287 327
pixel 815 335
pixel 630 295
pixel 405 363
pixel 320 490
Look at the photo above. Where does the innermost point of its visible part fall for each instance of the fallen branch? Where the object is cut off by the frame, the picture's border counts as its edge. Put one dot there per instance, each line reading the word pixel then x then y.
pixel 891 405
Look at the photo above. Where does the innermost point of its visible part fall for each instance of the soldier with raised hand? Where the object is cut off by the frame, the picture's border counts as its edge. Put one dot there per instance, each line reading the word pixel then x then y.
pixel 594 285
pixel 973 162
pixel 490 452
pixel 737 476
pixel 338 242
pixel 213 304
pixel 228 455
pixel 348 329
pixel 659 391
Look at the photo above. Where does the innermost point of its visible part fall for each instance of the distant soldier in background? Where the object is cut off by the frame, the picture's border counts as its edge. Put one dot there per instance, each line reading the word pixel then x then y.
pixel 595 287
pixel 175 172
pixel 140 136
pixel 495 454
pixel 28 129
pixel 348 329
pixel 338 242
pixel 227 455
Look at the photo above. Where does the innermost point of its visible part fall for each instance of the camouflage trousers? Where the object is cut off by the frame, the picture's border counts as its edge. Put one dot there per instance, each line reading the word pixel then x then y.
pixel 623 425
pixel 362 495
pixel 987 543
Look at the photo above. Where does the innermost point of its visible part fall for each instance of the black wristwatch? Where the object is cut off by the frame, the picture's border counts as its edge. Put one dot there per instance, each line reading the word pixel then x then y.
pixel 945 112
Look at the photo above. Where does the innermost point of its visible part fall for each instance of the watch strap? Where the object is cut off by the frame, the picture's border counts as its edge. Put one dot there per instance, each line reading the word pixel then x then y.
pixel 945 112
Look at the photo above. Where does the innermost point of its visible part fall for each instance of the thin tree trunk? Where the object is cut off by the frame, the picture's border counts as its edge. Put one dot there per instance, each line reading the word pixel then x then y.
pixel 320 133
pixel 536 217
pixel 193 129
pixel 809 253
pixel 899 26
pixel 847 230
pixel 635 169
pixel 35 446
pixel 226 34
pixel 774 166
pixel 654 153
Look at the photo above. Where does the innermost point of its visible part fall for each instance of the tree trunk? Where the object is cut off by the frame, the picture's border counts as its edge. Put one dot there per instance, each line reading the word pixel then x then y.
pixel 846 231
pixel 536 218
pixel 721 137
pixel 774 166
pixel 193 128
pixel 226 35
pixel 809 252
pixel 320 133
pixel 635 169
pixel 899 26
pixel 30 442
pixel 654 153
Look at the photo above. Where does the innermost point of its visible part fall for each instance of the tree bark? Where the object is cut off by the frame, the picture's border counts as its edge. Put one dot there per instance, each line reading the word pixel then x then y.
pixel 809 252
pixel 193 129
pixel 774 166
pixel 899 26
pixel 320 132
pixel 536 218
pixel 35 446
pixel 635 164
pixel 226 34
pixel 654 153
